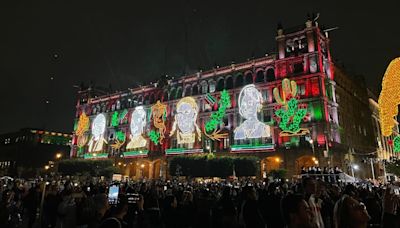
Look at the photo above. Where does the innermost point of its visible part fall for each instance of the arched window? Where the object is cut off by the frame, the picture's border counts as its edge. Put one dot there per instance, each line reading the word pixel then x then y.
pixel 146 99
pixel 172 94
pixel 220 84
pixel 270 75
pixel 204 87
pixel 229 83
pixel 212 86
pixel 179 93
pixel 260 76
pixel 165 96
pixel 249 78
pixel 139 100
pixel 195 90
pixel 151 99
pixel 188 91
pixel 239 80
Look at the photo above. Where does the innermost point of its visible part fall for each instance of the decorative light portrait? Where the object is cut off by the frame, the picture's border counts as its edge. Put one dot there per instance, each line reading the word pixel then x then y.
pixel 158 113
pixel 185 119
pixel 98 128
pixel 250 103
pixel 138 122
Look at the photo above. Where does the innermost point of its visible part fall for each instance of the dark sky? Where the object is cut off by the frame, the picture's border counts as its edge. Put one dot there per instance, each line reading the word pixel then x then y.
pixel 123 42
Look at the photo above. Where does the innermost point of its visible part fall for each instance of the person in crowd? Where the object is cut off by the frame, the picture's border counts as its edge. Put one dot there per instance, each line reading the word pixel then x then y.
pixel 296 212
pixel 66 210
pixel 350 213
pixel 310 190
pixel 251 214
pixel 117 214
pixel 170 217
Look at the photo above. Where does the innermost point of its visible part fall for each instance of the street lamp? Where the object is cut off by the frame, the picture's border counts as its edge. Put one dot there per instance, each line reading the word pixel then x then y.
pixel 58 155
pixel 46 167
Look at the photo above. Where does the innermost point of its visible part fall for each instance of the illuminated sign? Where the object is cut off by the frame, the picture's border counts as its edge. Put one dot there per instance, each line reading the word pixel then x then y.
pixel 250 103
pixel 98 128
pixel 138 122
pixel 185 124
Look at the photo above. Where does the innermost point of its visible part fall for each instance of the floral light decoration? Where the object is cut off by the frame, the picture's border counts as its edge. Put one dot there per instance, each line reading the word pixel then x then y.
pixel 120 137
pixel 389 99
pixel 82 128
pixel 211 127
pixel 158 113
pixel 289 113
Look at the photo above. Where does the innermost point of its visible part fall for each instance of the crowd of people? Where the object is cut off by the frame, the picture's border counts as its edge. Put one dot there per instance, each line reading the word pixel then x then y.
pixel 307 202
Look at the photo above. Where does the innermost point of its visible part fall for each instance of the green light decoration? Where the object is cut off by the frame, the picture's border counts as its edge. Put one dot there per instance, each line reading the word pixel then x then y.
pixel 95 155
pixel 217 117
pixel 289 113
pixel 136 153
pixel 120 136
pixel 317 111
pixel 396 144
pixel 115 119
pixel 154 136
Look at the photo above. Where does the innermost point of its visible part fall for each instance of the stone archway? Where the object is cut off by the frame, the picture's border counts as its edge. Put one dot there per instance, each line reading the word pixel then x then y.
pixel 304 161
pixel 270 163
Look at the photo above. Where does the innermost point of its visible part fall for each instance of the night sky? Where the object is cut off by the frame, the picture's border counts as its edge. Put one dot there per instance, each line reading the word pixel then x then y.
pixel 46 47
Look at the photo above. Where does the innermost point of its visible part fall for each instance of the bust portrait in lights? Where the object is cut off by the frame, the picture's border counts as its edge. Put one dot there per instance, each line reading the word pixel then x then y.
pixel 185 120
pixel 98 128
pixel 138 122
pixel 250 103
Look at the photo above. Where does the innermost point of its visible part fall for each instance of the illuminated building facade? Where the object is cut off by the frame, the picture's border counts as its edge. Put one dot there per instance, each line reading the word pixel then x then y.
pixel 281 108
pixel 27 151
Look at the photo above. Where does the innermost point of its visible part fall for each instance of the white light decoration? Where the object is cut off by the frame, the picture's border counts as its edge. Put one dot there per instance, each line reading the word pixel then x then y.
pixel 250 102
pixel 185 119
pixel 98 128
pixel 138 122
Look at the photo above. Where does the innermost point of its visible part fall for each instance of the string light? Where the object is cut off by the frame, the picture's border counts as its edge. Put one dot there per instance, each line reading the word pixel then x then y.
pixel 389 99
pixel 396 144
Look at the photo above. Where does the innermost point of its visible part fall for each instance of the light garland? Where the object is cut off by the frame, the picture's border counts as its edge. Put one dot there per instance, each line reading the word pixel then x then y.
pixel 250 103
pixel 155 137
pixel 389 99
pixel 185 121
pixel 216 118
pixel 289 113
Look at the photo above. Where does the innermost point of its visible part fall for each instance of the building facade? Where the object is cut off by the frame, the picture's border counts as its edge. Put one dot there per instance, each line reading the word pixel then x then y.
pixel 27 151
pixel 281 108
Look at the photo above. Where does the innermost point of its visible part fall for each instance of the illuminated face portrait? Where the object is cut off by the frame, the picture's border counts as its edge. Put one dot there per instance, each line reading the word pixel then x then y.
pixel 98 126
pixel 250 102
pixel 186 116
pixel 138 121
pixel 185 119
